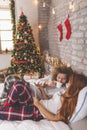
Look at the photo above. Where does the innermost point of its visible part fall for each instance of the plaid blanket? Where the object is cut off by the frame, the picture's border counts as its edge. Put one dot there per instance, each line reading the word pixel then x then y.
pixel 8 83
pixel 20 104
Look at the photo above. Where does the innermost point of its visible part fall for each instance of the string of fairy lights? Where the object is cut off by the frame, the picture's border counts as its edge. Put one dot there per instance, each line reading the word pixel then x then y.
pixel 45 4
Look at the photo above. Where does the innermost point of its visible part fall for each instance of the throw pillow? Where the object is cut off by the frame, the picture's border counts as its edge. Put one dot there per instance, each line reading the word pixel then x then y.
pixel 8 83
pixel 81 108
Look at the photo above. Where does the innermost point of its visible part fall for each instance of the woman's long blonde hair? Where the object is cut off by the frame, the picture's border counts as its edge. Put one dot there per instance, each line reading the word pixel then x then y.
pixel 70 97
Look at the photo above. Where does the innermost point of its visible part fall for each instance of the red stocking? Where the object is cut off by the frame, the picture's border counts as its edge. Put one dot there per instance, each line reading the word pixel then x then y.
pixel 59 27
pixel 68 28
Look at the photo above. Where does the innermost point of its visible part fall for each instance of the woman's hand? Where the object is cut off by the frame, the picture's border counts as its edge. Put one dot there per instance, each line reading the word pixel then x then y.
pixel 36 101
pixel 47 113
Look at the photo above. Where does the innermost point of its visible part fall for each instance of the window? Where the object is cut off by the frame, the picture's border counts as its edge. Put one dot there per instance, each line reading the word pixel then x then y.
pixel 6 33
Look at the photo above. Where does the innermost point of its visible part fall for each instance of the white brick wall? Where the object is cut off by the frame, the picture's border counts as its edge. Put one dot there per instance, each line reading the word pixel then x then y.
pixel 74 50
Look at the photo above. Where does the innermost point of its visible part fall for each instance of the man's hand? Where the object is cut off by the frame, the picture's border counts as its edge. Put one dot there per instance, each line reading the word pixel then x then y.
pixel 50 83
pixel 40 87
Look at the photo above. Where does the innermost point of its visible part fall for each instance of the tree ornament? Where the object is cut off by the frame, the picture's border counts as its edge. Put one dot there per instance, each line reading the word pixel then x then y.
pixel 17 36
pixel 68 28
pixel 25 41
pixel 25 58
pixel 31 60
pixel 28 31
pixel 59 27
pixel 25 32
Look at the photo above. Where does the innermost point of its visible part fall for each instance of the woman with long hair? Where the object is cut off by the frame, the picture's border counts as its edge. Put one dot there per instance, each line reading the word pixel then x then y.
pixel 68 99
pixel 20 104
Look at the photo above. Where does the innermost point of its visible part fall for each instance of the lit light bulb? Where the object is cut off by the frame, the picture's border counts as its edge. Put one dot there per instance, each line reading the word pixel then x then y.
pixel 36 2
pixel 40 26
pixel 68 65
pixel 44 4
pixel 71 5
pixel 53 11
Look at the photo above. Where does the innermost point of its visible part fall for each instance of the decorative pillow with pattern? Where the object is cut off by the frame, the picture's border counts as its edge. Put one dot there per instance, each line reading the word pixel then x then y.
pixel 8 83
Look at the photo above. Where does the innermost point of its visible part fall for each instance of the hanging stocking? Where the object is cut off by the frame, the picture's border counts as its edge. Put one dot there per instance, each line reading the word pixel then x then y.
pixel 59 27
pixel 68 28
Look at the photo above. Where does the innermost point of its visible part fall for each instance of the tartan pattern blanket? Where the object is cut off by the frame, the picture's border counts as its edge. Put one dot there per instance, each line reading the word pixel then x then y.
pixel 19 104
pixel 30 124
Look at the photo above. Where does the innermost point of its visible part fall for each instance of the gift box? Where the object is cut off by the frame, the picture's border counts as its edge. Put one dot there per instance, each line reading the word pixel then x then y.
pixel 31 75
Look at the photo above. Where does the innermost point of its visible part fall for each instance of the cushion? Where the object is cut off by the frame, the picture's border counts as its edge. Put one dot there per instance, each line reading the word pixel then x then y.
pixel 1 89
pixel 81 108
pixel 8 83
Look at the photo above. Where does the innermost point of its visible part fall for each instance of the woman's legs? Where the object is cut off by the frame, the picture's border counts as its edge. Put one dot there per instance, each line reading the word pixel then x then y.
pixel 20 104
pixel 20 93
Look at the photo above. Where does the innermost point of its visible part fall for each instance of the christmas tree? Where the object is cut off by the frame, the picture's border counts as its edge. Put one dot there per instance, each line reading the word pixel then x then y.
pixel 26 55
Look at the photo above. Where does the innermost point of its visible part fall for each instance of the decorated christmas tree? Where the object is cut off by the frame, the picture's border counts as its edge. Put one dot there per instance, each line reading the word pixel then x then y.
pixel 26 57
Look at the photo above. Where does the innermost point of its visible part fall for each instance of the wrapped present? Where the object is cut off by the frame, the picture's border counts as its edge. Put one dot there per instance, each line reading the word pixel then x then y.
pixel 31 75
